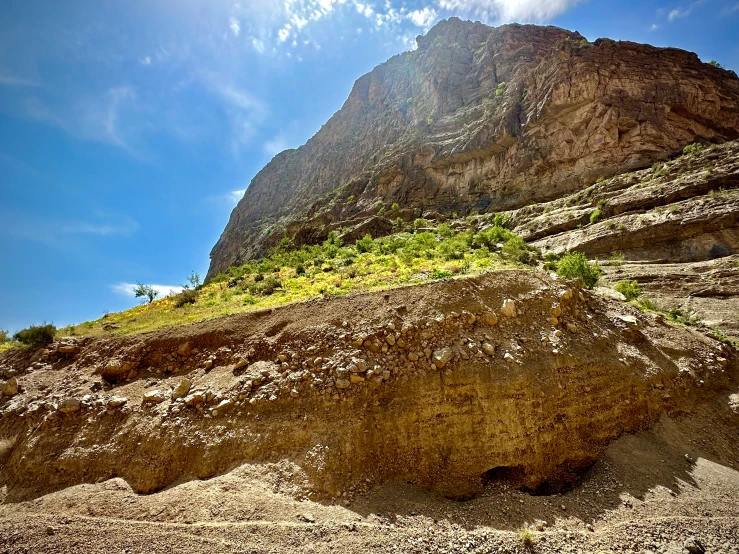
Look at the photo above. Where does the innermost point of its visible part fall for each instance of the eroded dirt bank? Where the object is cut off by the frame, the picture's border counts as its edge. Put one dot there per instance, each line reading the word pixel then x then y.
pixel 508 380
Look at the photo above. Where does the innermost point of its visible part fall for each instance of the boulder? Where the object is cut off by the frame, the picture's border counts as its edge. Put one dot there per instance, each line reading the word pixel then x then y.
pixel 181 390
pixel 10 387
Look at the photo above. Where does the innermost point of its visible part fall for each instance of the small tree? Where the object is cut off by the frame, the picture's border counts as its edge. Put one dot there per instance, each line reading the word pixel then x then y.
pixel 145 291
pixel 3 336
pixel 194 279
pixel 714 63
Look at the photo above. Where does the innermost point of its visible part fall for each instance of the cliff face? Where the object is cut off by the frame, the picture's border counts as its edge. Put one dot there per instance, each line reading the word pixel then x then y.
pixel 488 119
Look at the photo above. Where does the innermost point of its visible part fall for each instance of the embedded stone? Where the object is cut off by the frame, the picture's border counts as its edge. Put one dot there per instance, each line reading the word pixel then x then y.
pixel 154 396
pixel 10 387
pixel 442 356
pixel 117 401
pixel 69 405
pixel 509 308
pixel 182 389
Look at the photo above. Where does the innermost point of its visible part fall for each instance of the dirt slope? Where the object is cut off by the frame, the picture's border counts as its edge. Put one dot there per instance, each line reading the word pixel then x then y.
pixel 306 420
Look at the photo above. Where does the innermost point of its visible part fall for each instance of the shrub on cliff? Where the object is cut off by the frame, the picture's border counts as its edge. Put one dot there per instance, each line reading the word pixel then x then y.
pixel 36 335
pixel 630 289
pixel 574 265
pixel 693 148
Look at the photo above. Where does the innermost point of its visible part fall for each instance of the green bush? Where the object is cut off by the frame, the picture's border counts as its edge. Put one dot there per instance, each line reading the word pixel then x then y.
pixel 630 289
pixel 4 336
pixel 574 265
pixel 445 230
pixel 516 249
pixel 421 223
pixel 365 244
pixel 36 335
pixel 440 274
pixel 187 296
pixel 395 206
pixel 502 220
pixel 551 261
pixel 693 148
pixel 596 215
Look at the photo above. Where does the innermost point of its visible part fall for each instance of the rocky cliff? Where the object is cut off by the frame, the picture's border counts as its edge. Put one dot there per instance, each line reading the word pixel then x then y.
pixel 488 119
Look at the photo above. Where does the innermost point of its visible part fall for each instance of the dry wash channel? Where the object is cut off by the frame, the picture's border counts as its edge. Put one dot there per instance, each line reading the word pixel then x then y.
pixel 512 374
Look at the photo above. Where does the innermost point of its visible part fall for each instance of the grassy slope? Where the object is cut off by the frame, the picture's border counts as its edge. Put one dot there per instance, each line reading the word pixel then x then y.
pixel 406 257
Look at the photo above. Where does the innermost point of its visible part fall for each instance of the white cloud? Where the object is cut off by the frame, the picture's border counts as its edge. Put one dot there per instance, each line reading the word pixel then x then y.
pixel 284 33
pixel 235 195
pixel 126 226
pixel 146 61
pixel 126 289
pixel 13 81
pixel 233 24
pixel 423 18
pixel 96 117
pixel 501 11
pixel 276 145
pixel 681 12
pixel 258 45
pixel 654 27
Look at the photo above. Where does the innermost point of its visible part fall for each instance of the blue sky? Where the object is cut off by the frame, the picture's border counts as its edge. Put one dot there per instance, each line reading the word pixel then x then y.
pixel 128 130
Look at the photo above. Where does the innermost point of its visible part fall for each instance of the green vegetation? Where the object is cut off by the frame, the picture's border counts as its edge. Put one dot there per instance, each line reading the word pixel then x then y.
pixel 424 251
pixel 574 265
pixel 526 536
pixel 193 281
pixel 617 258
pixel 686 318
pixel 630 289
pixel 596 215
pixel 693 148
pixel 714 63
pixel 145 291
pixel 36 335
pixel 500 89
pixel 395 206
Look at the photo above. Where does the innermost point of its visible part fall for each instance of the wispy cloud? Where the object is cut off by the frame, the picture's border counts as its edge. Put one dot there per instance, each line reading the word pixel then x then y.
pixel 235 195
pixel 234 25
pixel 126 289
pixel 124 227
pixel 683 11
pixel 12 81
pixel 59 233
pixel 276 145
pixel 99 117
